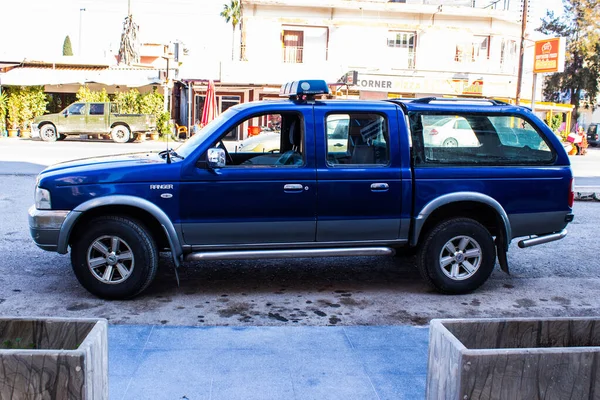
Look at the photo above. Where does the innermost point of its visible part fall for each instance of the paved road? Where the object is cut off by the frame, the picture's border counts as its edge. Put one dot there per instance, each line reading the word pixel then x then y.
pixel 558 279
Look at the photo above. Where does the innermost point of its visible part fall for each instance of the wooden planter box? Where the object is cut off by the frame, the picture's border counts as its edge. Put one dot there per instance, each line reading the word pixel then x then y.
pixel 53 358
pixel 550 359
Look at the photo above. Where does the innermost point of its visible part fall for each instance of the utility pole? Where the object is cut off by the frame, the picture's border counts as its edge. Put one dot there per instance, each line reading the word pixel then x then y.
pixel 521 52
pixel 79 41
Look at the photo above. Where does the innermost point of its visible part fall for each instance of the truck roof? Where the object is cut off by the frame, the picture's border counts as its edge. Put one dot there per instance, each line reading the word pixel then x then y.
pixel 422 104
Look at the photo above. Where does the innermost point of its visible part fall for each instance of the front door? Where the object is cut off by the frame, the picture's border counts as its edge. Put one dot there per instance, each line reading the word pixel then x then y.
pixel 72 119
pixel 95 120
pixel 358 175
pixel 264 195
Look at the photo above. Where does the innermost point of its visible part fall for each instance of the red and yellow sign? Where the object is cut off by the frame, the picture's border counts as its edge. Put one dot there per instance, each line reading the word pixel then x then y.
pixel 549 56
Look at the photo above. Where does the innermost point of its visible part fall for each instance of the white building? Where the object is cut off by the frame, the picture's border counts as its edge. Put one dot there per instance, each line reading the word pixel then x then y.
pixel 398 49
pixel 415 48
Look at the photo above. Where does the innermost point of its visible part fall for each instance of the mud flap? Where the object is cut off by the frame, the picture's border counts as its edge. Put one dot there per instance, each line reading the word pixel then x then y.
pixel 501 252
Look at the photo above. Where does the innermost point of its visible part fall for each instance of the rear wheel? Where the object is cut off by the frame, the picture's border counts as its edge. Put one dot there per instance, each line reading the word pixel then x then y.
pixel 48 133
pixel 450 142
pixel 120 134
pixel 457 256
pixel 116 258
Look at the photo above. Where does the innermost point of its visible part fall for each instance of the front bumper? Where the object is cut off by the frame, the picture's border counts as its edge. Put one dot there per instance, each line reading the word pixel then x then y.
pixel 44 227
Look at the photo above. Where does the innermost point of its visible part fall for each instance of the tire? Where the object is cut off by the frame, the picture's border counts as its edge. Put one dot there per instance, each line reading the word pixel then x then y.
pixel 127 278
pixel 446 272
pixel 48 133
pixel 450 142
pixel 120 134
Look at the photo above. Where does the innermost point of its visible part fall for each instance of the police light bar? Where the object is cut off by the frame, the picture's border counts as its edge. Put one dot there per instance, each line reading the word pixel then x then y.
pixel 297 89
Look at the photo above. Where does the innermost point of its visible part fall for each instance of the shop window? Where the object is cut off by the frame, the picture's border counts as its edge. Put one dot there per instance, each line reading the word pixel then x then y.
pixel 223 103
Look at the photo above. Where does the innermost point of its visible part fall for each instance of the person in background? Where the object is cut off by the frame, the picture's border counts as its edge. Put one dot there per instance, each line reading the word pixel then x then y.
pixel 583 144
pixel 196 128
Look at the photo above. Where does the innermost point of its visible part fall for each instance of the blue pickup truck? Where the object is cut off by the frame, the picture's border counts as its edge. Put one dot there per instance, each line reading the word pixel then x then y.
pixel 350 178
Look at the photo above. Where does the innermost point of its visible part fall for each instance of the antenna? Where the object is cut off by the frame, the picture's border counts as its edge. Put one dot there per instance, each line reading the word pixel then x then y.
pixel 168 151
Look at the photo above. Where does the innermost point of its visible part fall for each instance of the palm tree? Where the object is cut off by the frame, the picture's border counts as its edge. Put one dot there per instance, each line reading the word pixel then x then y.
pixel 233 13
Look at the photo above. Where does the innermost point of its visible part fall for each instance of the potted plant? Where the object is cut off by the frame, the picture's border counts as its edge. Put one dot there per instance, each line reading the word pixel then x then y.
pixel 3 109
pixel 13 106
pixel 34 104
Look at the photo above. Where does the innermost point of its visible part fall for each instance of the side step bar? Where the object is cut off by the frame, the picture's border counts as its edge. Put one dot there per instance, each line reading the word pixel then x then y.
pixel 290 253
pixel 542 239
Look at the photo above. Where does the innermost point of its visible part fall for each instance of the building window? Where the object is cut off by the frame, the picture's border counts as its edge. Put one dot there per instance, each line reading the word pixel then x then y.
pixel 293 44
pixel 508 54
pixel 404 45
pixel 476 50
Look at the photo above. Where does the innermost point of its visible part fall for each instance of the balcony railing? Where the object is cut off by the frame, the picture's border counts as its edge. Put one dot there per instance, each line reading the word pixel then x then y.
pixel 292 54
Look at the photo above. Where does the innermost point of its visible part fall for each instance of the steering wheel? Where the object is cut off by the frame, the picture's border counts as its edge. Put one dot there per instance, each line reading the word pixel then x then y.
pixel 290 157
pixel 227 155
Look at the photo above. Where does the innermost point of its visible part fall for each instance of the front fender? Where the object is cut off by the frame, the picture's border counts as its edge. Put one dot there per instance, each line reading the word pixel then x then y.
pixel 153 209
pixel 458 197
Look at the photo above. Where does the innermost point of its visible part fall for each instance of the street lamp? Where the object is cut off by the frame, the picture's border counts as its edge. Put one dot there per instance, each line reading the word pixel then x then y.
pixel 79 44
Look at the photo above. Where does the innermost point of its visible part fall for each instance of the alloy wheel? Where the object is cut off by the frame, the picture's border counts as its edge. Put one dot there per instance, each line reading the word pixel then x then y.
pixel 460 258
pixel 110 259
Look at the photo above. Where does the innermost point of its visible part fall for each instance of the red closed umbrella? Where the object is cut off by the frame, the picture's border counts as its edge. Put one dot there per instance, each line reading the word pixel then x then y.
pixel 210 111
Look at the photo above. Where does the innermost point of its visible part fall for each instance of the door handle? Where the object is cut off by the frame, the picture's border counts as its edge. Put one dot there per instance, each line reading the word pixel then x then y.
pixel 379 187
pixel 293 187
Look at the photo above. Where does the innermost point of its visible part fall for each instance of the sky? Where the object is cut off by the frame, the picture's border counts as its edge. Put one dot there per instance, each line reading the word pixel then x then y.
pixel 40 26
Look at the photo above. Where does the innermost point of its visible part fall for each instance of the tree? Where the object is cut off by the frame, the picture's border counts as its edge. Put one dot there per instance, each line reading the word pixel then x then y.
pixel 580 26
pixel 233 13
pixel 67 48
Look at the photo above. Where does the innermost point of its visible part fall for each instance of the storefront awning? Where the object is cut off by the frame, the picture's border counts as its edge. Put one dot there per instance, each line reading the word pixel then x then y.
pixel 49 76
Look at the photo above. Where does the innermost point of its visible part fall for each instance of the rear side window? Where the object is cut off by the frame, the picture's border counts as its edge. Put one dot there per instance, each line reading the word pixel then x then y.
pixel 357 139
pixel 474 139
pixel 97 109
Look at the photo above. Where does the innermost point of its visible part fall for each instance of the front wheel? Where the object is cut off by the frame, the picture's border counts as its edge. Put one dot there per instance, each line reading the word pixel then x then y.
pixel 48 133
pixel 115 258
pixel 457 256
pixel 120 134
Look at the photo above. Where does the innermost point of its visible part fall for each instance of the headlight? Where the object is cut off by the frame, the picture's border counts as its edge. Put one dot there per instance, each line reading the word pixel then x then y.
pixel 42 199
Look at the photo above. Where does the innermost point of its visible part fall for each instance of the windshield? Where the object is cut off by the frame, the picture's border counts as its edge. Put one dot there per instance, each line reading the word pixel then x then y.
pixel 188 147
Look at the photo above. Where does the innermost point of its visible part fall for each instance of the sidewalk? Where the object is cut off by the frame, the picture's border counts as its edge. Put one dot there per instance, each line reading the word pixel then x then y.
pixel 321 363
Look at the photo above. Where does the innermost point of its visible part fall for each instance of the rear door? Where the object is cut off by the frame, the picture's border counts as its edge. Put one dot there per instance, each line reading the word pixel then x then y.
pixel 358 173
pixel 95 118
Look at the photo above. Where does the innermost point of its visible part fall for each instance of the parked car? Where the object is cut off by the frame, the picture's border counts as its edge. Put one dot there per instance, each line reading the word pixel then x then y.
pixel 592 134
pixel 264 142
pixel 92 118
pixel 269 141
pixel 450 132
pixel 383 189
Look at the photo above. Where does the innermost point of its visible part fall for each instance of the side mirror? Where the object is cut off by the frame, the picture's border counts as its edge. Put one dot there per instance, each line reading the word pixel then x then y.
pixel 216 158
pixel 66 113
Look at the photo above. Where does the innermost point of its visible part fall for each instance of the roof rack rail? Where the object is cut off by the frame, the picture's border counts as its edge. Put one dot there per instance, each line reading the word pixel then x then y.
pixel 464 100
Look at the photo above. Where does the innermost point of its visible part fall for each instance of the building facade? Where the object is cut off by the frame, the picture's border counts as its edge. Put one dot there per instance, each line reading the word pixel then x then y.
pixel 412 48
